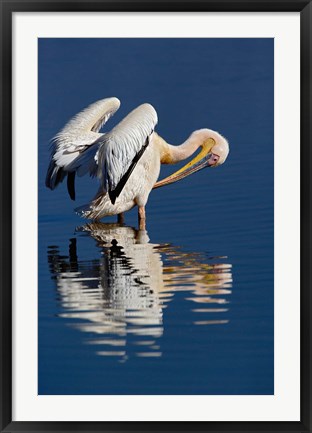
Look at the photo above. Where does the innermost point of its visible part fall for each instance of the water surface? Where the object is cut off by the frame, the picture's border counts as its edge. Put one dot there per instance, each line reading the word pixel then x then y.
pixel 185 307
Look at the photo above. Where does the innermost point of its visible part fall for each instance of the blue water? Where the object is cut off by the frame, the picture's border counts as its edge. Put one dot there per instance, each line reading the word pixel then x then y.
pixel 185 307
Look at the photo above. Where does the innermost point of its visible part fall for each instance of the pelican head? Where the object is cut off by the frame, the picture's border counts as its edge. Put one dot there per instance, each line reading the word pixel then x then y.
pixel 214 151
pixel 218 152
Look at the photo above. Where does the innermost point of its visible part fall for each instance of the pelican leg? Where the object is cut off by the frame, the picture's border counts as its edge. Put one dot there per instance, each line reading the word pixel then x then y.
pixel 142 218
pixel 121 218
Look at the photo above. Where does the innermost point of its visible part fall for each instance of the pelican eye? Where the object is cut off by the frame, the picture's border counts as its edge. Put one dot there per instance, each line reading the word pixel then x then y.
pixel 214 158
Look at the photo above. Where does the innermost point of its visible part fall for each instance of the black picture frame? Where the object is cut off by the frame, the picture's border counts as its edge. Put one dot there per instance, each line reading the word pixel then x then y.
pixel 7 10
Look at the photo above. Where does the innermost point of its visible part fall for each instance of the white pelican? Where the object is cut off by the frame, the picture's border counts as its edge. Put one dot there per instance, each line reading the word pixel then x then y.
pixel 127 159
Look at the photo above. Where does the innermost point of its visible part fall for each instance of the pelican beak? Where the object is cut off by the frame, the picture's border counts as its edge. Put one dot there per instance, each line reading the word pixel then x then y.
pixel 205 158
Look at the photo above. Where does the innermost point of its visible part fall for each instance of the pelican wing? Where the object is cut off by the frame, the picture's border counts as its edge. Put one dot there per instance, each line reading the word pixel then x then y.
pixel 74 148
pixel 122 148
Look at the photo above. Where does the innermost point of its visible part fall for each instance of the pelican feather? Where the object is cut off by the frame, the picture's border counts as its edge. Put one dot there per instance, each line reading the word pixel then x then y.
pixel 122 148
pixel 70 150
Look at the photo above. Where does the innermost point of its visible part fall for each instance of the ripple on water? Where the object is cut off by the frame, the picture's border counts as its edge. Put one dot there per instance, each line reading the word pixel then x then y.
pixel 120 299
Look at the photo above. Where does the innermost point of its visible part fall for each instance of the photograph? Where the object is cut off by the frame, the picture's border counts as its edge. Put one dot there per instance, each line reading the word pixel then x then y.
pixel 155 216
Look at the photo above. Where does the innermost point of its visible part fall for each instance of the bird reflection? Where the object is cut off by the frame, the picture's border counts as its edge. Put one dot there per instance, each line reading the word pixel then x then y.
pixel 118 300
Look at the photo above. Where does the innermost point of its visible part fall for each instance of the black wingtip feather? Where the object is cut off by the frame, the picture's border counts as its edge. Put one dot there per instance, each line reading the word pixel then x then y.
pixel 71 185
pixel 117 191
pixel 48 179
pixel 112 196
pixel 55 175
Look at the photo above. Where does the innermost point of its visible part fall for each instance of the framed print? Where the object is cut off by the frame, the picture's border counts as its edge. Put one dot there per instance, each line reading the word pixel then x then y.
pixel 155 216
